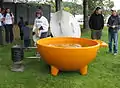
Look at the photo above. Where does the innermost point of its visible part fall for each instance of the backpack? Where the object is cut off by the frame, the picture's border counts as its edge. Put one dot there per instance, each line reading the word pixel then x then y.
pixel 6 13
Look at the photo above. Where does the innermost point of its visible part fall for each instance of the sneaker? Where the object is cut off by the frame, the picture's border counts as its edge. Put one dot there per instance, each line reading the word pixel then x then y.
pixel 38 55
pixel 17 68
pixel 115 54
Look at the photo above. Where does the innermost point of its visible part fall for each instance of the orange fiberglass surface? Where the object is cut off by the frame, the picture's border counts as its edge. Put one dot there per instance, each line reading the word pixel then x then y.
pixel 70 58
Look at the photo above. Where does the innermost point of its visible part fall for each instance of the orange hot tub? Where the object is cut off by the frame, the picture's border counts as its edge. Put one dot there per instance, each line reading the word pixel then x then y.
pixel 68 59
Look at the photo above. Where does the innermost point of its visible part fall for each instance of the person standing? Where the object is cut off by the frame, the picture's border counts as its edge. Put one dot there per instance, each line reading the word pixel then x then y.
pixel 1 28
pixel 21 24
pixel 40 28
pixel 8 20
pixel 26 34
pixel 96 23
pixel 113 27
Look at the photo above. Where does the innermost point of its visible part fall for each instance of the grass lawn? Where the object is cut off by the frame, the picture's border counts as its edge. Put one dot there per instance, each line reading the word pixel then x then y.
pixel 103 72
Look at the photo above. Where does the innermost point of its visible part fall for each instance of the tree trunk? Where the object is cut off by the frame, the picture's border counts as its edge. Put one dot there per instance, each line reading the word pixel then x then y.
pixel 28 16
pixel 1 3
pixel 58 5
pixel 85 12
pixel 15 6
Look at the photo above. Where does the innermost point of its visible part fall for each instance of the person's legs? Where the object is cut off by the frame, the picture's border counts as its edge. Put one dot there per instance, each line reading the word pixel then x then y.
pixel 7 33
pixel 98 34
pixel 43 35
pixel 110 41
pixel 21 34
pixel 29 42
pixel 11 33
pixel 115 38
pixel 1 36
pixel 26 43
pixel 93 34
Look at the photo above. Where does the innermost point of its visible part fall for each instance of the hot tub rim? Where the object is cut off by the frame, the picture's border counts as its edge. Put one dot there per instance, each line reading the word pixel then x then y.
pixel 55 47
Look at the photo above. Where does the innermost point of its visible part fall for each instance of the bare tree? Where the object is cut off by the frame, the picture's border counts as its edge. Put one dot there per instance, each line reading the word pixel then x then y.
pixel 85 12
pixel 58 4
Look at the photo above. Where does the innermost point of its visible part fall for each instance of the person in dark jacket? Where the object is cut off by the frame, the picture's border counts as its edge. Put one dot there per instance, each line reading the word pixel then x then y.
pixel 113 24
pixel 21 24
pixel 96 23
pixel 26 34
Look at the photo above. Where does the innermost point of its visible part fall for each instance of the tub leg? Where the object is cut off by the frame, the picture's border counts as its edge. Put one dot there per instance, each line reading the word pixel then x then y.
pixel 54 71
pixel 83 70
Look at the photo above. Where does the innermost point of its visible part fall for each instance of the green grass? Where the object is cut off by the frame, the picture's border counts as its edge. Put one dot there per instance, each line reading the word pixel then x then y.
pixel 103 72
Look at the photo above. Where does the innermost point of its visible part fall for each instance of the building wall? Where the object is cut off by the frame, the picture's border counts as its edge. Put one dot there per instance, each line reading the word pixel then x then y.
pixel 8 0
pixel 26 11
